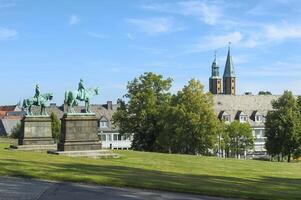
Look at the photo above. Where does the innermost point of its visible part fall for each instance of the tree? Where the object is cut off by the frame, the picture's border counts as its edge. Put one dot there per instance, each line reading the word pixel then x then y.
pixel 55 127
pixel 190 124
pixel 283 126
pixel 264 93
pixel 16 131
pixel 141 115
pixel 239 137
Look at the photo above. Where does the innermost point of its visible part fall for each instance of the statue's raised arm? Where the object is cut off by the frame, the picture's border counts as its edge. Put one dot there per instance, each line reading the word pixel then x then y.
pixel 81 94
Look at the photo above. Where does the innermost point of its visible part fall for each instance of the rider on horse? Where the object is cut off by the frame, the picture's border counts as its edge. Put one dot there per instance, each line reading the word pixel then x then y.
pixel 81 90
pixel 37 95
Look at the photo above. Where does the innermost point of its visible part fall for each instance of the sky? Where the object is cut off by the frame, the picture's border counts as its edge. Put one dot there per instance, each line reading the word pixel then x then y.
pixel 110 42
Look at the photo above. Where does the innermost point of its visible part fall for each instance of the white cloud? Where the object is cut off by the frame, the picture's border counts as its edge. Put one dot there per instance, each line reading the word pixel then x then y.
pixel 7 34
pixel 208 13
pixel 154 26
pixel 74 19
pixel 282 32
pixel 218 41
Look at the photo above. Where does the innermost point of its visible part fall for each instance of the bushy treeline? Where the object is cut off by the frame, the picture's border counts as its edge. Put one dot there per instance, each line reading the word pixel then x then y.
pixel 184 122
pixel 283 127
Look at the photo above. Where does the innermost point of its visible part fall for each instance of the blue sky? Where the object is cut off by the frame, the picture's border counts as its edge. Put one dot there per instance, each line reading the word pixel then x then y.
pixel 109 42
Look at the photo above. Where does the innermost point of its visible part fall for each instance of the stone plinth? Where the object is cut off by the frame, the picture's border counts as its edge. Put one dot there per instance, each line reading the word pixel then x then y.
pixel 79 132
pixel 87 153
pixel 35 134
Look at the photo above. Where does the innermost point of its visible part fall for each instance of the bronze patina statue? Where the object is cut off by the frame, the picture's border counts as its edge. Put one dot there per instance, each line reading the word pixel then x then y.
pixel 38 100
pixel 82 94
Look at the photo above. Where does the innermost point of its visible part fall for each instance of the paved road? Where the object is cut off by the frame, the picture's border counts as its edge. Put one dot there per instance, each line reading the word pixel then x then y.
pixel 29 189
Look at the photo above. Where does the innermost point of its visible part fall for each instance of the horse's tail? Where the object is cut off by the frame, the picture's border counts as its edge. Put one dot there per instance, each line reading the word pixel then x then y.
pixel 66 97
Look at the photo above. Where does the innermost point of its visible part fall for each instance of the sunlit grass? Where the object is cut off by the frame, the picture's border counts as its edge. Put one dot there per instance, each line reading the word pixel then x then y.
pixel 183 173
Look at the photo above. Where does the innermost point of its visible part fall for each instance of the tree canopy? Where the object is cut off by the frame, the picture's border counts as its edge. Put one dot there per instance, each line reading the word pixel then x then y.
pixel 190 124
pixel 181 123
pixel 141 115
pixel 283 126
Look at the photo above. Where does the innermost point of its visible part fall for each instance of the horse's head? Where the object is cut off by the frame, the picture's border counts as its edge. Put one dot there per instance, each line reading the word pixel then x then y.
pixel 96 90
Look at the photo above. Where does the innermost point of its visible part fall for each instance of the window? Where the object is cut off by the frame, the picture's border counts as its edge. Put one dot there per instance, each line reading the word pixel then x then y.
pixel 257 133
pixel 242 118
pixel 115 137
pixel 103 137
pixel 226 118
pixel 119 137
pixel 109 137
pixel 262 133
pixel 124 137
pixel 258 118
pixel 103 124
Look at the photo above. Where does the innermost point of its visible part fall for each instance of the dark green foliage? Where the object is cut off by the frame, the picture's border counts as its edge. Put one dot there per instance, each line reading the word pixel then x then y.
pixel 16 131
pixel 283 127
pixel 190 124
pixel 55 127
pixel 147 96
pixel 182 123
pixel 238 138
pixel 264 93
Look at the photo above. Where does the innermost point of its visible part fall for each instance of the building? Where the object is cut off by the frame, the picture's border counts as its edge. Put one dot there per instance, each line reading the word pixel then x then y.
pixel 10 116
pixel 248 108
pixel 215 82
pixel 229 79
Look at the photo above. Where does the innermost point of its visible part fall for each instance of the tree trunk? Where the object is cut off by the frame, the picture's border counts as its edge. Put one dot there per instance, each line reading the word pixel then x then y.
pixel 289 157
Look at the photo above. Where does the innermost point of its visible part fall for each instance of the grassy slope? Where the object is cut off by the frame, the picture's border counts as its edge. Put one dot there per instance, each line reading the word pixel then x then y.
pixel 183 173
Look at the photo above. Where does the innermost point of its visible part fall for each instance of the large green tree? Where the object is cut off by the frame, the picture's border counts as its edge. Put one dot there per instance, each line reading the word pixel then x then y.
pixel 140 112
pixel 189 123
pixel 283 126
pixel 239 138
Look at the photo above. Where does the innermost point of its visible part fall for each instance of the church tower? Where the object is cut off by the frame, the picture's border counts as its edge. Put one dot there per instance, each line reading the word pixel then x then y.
pixel 215 82
pixel 229 78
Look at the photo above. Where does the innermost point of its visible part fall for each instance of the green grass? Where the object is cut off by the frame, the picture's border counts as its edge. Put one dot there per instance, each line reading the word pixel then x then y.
pixel 182 173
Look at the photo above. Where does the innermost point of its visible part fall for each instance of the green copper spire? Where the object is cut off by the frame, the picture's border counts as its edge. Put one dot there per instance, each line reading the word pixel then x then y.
pixel 229 68
pixel 215 67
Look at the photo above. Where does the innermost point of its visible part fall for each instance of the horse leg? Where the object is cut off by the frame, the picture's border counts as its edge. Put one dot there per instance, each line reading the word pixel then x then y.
pixel 29 110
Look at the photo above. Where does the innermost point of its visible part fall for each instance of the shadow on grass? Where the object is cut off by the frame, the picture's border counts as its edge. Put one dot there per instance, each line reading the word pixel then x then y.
pixel 260 188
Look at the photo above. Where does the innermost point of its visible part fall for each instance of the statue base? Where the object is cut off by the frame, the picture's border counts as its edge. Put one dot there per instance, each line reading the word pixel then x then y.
pixel 36 134
pixel 79 132
pixel 86 153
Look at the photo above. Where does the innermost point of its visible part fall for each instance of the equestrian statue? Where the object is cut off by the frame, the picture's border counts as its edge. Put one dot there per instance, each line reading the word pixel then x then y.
pixel 81 94
pixel 38 100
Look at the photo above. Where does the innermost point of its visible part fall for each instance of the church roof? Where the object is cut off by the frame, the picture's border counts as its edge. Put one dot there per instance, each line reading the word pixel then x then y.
pixel 229 68
pixel 247 104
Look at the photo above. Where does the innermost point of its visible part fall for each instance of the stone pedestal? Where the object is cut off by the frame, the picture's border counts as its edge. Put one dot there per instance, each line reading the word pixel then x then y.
pixel 79 137
pixel 79 132
pixel 35 134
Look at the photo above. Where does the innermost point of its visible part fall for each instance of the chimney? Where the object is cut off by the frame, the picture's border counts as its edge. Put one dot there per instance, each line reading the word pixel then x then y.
pixel 109 105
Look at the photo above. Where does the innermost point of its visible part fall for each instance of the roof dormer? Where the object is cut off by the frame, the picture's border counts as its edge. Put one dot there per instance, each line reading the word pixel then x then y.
pixel 224 116
pixel 242 117
pixel 258 117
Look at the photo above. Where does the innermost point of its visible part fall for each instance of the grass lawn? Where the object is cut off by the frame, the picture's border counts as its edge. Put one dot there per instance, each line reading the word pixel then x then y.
pixel 182 173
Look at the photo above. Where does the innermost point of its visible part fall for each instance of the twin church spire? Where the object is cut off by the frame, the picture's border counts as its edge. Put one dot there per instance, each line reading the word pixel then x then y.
pixel 229 78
